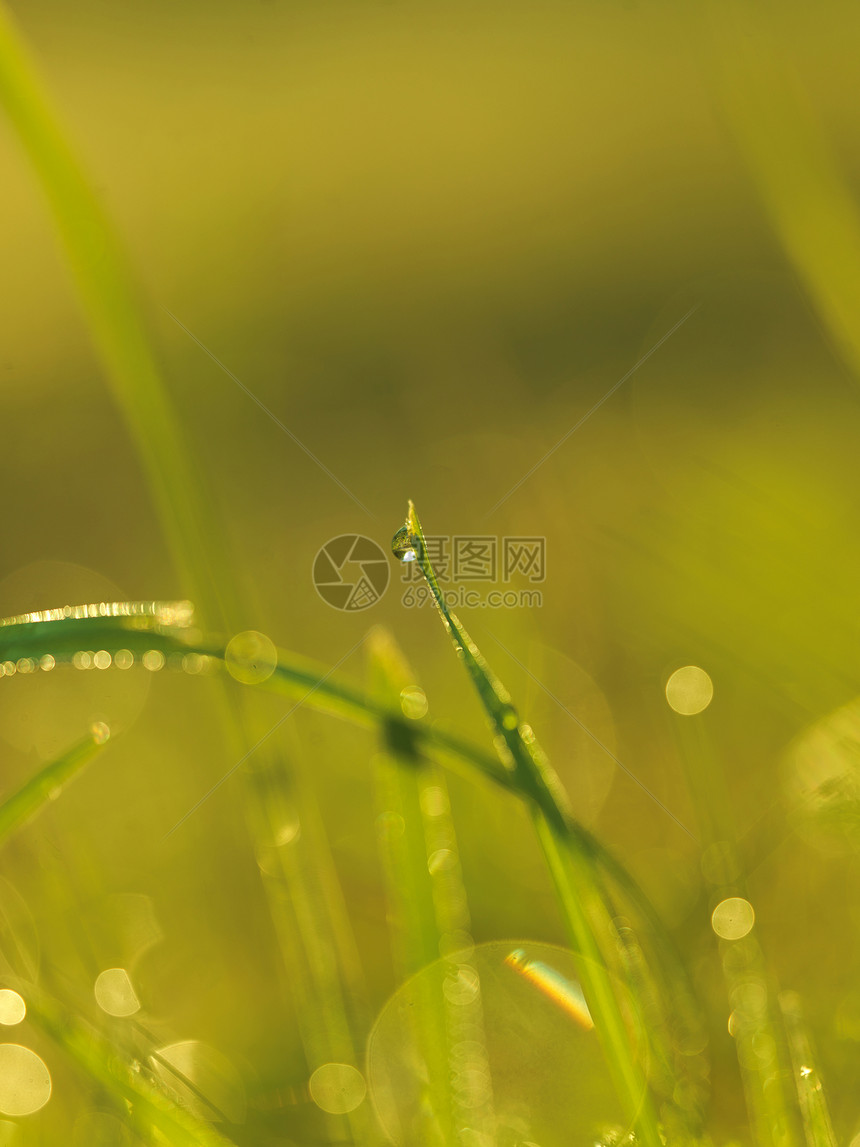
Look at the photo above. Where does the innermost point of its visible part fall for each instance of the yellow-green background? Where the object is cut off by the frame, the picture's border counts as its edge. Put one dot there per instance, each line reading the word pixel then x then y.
pixel 429 238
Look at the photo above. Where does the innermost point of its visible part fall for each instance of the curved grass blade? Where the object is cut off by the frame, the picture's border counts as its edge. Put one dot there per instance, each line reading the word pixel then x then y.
pixel 140 636
pixel 35 793
pixel 154 1114
pixel 309 682
pixel 572 873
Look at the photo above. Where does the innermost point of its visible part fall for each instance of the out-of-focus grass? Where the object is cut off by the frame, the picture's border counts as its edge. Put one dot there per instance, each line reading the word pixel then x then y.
pixel 48 782
pixel 589 926
pixel 708 511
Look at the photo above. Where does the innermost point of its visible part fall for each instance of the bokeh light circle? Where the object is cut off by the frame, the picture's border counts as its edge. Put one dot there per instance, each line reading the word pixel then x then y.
pixel 25 1082
pixel 251 657
pixel 115 993
pixel 337 1088
pixel 733 918
pixel 12 1007
pixel 413 702
pixel 689 690
pixel 498 1036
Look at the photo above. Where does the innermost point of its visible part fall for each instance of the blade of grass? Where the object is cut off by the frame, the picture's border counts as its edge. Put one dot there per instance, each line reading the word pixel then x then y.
pixel 295 862
pixel 809 203
pixel 761 1047
pixel 312 685
pixel 810 1091
pixel 115 318
pixel 155 1114
pixel 309 682
pixel 429 914
pixel 44 786
pixel 113 313
pixel 569 867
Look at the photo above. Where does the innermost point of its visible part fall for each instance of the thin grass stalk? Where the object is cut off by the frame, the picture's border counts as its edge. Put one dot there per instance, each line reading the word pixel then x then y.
pixel 811 1096
pixel 155 1115
pixel 429 913
pixel 45 785
pixel 113 312
pixel 762 1051
pixel 290 841
pixel 570 869
pixel 808 200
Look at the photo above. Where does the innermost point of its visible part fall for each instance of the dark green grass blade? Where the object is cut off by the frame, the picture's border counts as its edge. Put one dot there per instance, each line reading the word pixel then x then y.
pixel 44 786
pixel 584 913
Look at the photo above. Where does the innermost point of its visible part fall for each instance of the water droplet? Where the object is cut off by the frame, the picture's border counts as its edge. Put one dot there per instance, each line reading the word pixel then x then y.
pixel 404 545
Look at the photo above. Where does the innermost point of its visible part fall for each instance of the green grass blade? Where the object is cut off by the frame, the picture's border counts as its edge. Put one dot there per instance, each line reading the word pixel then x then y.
pixel 118 330
pixel 113 312
pixel 154 1114
pixel 761 1047
pixel 303 680
pixel 309 921
pixel 570 869
pixel 403 782
pixel 44 786
pixel 428 911
pixel 810 1090
pixel 809 202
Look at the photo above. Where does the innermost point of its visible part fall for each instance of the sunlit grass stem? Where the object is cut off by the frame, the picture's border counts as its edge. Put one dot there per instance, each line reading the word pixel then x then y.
pixel 570 869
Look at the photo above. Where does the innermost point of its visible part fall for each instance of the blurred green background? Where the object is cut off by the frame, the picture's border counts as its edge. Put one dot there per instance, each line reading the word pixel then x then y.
pixel 429 239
